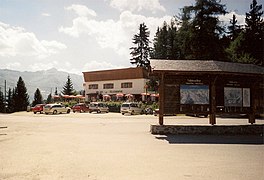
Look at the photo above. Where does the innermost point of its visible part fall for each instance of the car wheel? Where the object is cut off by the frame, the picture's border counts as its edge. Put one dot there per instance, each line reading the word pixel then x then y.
pixel 35 112
pixel 55 112
pixel 132 112
pixel 46 113
pixel 123 113
pixel 68 111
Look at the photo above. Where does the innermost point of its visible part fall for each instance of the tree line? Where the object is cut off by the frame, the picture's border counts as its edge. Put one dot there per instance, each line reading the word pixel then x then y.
pixel 197 33
pixel 17 99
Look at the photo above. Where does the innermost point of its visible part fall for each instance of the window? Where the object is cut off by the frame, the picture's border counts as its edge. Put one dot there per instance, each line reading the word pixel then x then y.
pixel 93 86
pixel 109 86
pixel 126 85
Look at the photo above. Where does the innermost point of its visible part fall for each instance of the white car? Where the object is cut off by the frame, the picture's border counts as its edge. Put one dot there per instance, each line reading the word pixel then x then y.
pixel 56 109
pixel 98 107
pixel 131 108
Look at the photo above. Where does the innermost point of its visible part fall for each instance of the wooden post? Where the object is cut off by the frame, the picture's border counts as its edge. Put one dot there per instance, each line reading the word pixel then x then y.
pixel 212 118
pixel 251 116
pixel 161 99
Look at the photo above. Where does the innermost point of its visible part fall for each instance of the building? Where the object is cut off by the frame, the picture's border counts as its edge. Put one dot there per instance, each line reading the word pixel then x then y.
pixel 209 87
pixel 115 84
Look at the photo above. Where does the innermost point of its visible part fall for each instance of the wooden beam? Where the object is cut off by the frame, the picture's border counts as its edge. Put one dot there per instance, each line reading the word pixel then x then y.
pixel 251 116
pixel 212 117
pixel 161 99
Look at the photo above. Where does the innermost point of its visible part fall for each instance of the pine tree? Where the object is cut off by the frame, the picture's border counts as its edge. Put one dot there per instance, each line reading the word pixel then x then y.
pixel 21 98
pixel 68 87
pixel 233 28
pixel 49 99
pixel 10 101
pixel 56 91
pixel 165 42
pixel 255 33
pixel 37 98
pixel 2 102
pixel 205 30
pixel 140 53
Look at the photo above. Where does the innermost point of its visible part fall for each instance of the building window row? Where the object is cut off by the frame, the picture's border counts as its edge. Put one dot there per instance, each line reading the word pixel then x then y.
pixel 126 85
pixel 111 85
pixel 93 86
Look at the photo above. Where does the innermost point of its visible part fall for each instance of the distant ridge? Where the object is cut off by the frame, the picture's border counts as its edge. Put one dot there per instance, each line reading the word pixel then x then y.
pixel 45 80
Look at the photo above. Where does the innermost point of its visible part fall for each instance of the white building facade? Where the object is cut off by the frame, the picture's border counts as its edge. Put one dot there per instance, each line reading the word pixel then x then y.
pixel 115 84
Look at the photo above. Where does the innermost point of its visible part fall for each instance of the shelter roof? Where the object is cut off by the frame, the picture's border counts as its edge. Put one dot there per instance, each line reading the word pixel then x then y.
pixel 204 66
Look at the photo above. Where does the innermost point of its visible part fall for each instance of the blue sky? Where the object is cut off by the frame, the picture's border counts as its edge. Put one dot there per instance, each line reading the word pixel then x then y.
pixel 83 35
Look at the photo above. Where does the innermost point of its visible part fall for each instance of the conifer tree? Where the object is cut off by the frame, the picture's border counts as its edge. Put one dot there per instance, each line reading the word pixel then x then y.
pixel 2 102
pixel 49 99
pixel 206 30
pixel 233 28
pixel 68 87
pixel 140 53
pixel 10 101
pixel 37 98
pixel 21 98
pixel 255 33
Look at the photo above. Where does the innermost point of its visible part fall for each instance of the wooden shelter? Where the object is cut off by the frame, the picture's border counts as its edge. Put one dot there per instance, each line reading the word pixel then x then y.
pixel 209 88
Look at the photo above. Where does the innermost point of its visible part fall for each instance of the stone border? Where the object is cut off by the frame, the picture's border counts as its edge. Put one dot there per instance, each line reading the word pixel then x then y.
pixel 256 129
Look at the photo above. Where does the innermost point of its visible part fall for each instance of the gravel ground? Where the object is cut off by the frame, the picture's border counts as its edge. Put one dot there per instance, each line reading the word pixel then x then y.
pixel 115 147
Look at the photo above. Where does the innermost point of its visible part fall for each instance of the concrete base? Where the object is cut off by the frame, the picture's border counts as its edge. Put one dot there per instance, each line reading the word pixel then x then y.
pixel 256 129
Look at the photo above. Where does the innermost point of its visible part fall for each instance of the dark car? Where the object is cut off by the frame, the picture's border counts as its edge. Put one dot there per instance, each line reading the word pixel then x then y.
pixel 81 107
pixel 38 108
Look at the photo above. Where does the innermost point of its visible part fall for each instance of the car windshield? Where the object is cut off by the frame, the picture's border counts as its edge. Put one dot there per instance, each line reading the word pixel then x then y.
pixel 125 105
pixel 134 105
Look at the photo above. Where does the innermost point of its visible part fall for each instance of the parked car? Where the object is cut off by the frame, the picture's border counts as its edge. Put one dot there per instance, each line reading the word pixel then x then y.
pixel 38 108
pixel 98 107
pixel 81 107
pixel 131 108
pixel 156 112
pixel 197 115
pixel 56 109
pixel 148 111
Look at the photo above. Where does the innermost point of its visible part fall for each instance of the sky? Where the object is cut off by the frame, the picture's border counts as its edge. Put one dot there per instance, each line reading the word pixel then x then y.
pixel 84 35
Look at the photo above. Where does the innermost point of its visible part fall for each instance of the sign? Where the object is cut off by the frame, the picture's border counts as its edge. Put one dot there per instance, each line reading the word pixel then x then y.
pixel 194 94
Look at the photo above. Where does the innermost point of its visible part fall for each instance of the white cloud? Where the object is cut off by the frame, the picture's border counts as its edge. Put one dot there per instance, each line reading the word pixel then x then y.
pixel 81 10
pixel 38 66
pixel 16 41
pixel 12 65
pixel 137 5
pixel 45 14
pixel 225 19
pixel 112 34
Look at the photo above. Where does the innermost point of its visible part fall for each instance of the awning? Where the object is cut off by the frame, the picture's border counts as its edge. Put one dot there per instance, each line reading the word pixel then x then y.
pixel 129 95
pixel 65 96
pixel 154 95
pixel 119 94
pixel 79 96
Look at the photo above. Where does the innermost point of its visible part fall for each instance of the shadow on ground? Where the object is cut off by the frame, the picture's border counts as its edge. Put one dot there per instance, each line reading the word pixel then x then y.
pixel 211 139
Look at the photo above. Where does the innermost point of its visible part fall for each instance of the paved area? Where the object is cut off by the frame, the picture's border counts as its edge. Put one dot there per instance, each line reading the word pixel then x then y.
pixel 112 146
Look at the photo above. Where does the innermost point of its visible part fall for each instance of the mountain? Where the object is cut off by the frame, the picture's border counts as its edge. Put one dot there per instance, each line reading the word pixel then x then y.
pixel 46 81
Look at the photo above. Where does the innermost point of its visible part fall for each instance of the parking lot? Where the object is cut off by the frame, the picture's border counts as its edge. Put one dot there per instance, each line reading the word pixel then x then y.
pixel 111 146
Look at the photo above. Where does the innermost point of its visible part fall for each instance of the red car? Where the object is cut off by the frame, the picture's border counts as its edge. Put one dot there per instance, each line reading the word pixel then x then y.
pixel 81 107
pixel 38 108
